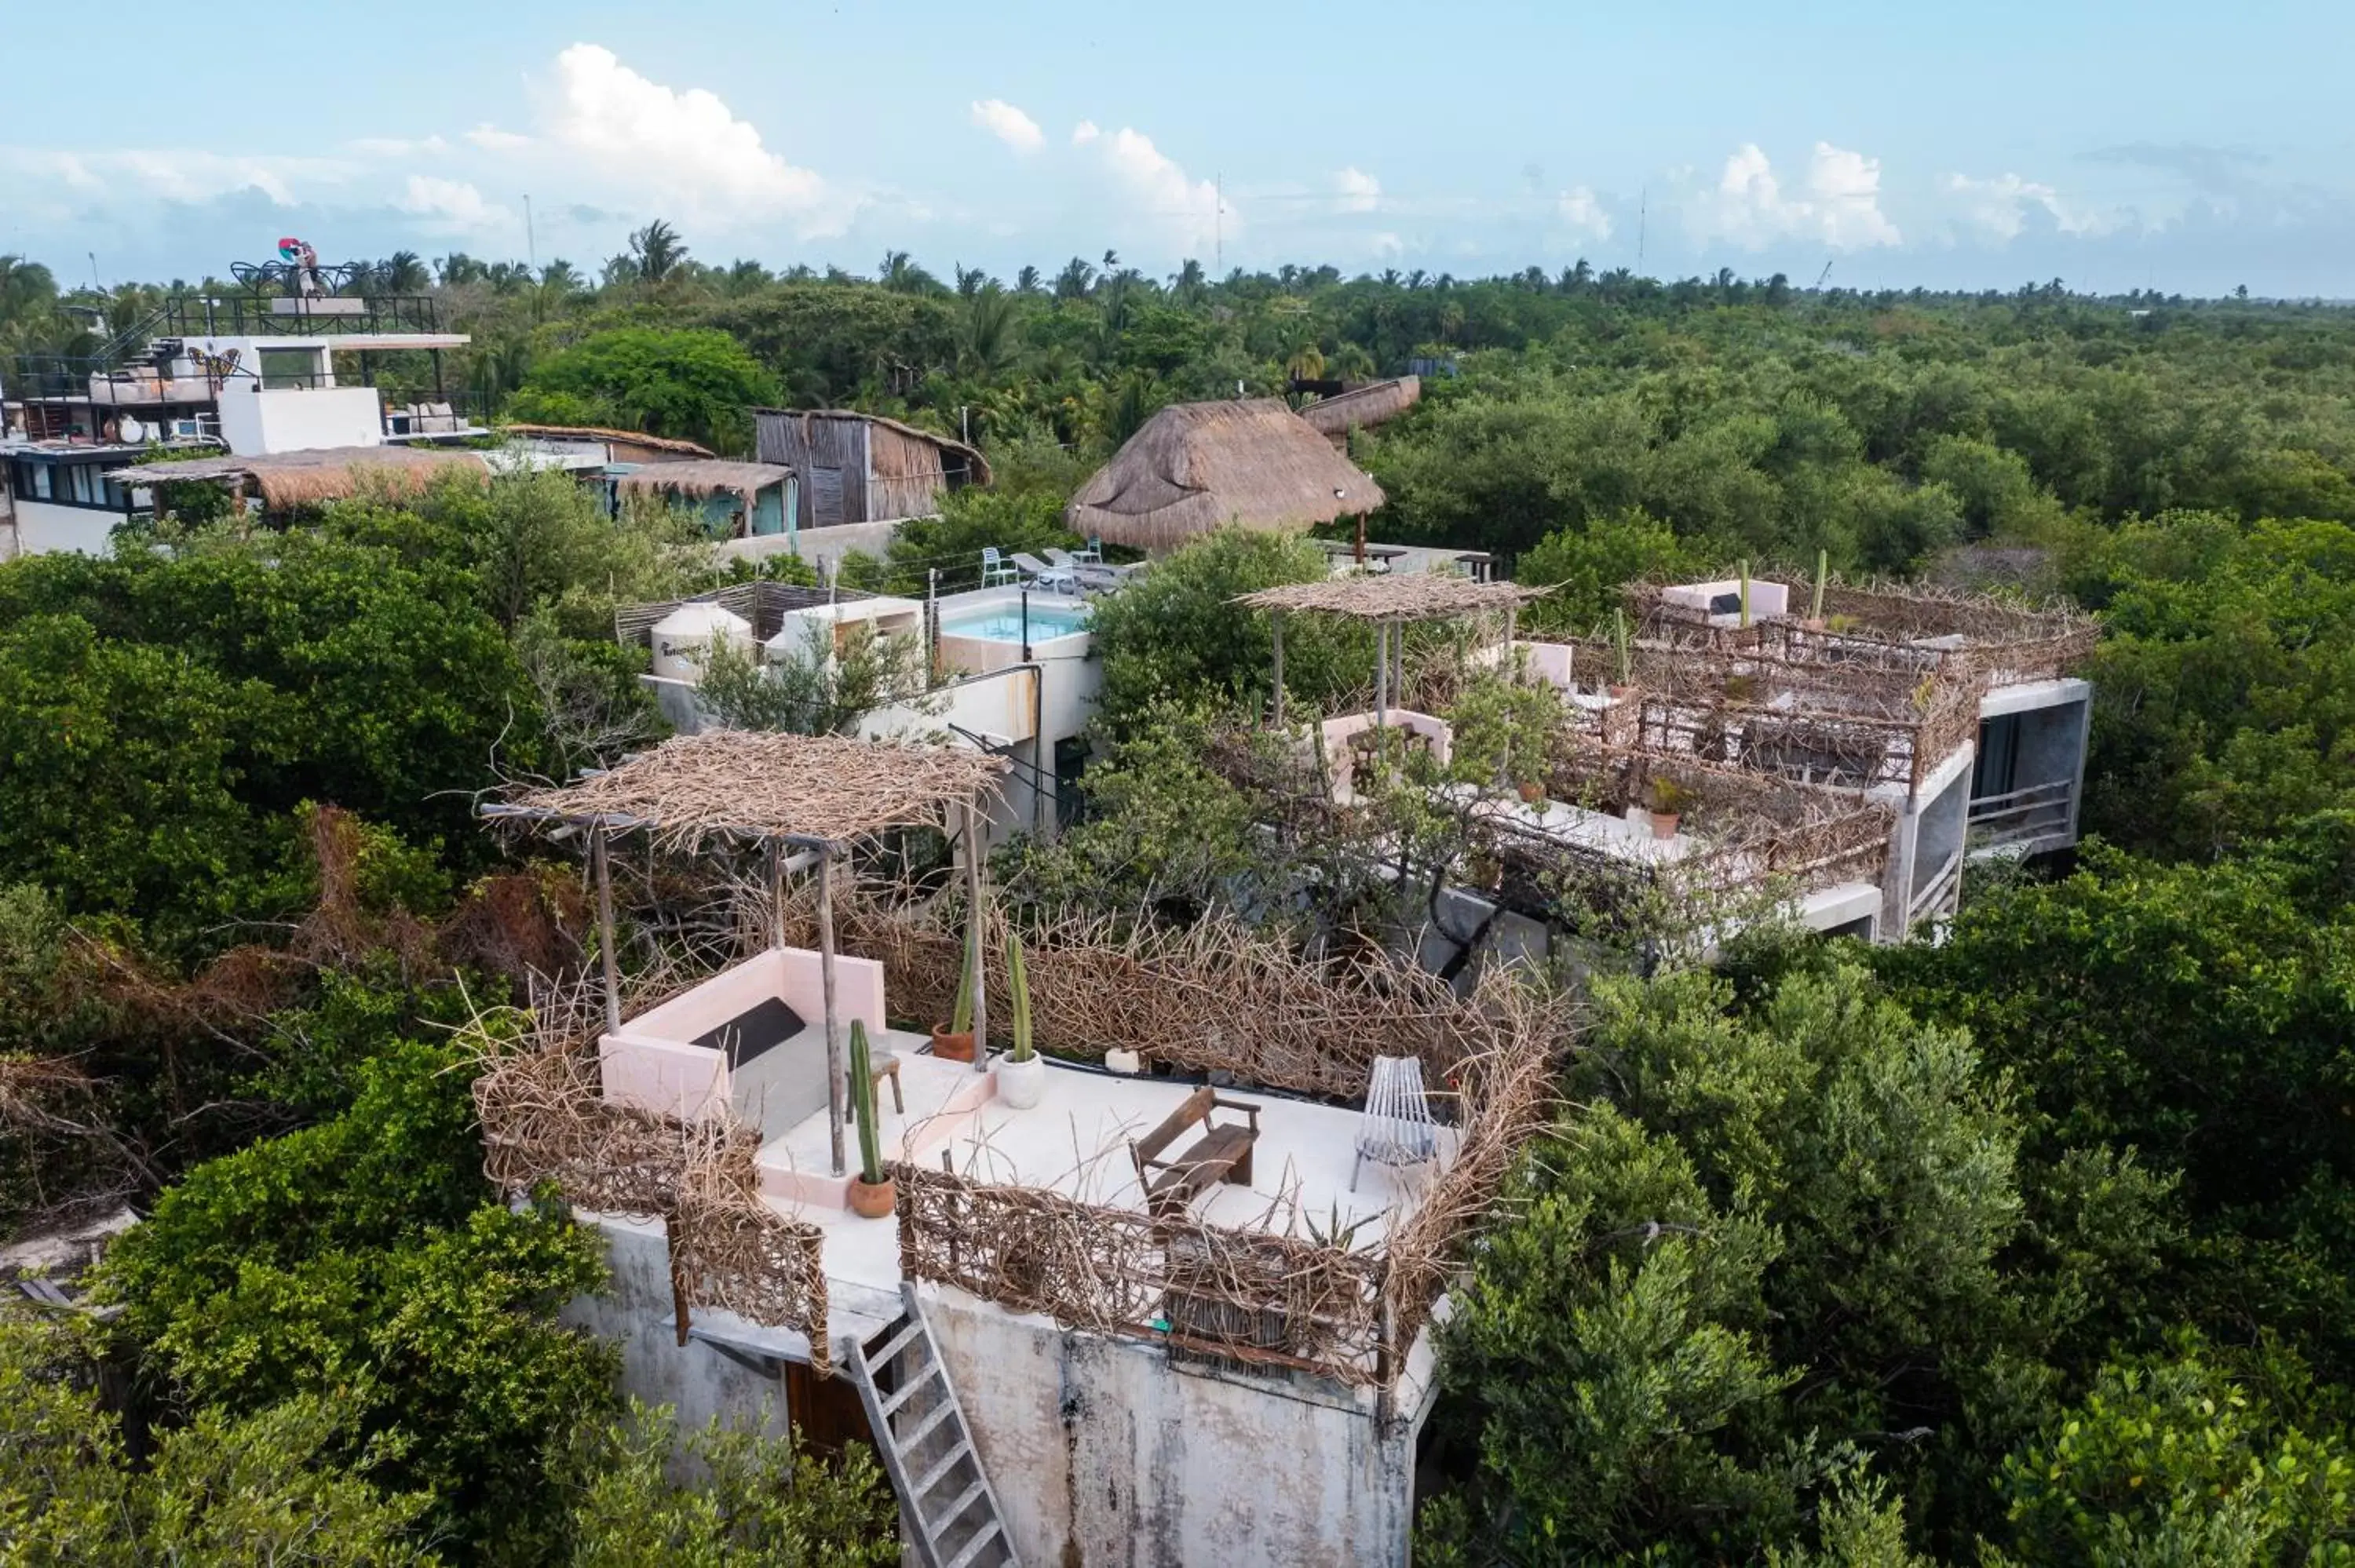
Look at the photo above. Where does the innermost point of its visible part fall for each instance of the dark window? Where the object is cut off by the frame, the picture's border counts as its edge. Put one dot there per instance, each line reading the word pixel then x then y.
pixel 1997 768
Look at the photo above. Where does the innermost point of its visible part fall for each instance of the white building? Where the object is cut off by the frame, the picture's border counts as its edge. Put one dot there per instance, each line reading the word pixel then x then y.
pixel 255 375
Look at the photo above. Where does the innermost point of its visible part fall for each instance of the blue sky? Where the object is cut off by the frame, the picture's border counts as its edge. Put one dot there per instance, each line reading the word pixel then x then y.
pixel 2160 145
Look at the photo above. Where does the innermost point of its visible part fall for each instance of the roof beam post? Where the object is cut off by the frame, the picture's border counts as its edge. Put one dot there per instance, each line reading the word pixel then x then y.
pixel 602 870
pixel 835 1083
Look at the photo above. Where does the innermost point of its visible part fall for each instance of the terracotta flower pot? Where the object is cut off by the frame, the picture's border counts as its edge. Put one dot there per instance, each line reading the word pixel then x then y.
pixel 872 1201
pixel 952 1047
pixel 1664 823
pixel 1533 793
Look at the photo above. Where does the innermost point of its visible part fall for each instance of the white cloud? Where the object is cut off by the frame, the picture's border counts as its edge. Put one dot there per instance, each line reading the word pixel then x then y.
pixel 453 206
pixel 1581 213
pixel 396 146
pixel 1999 207
pixel 1387 244
pixel 1008 124
pixel 1838 204
pixel 177 174
pixel 1360 192
pixel 1157 189
pixel 491 139
pixel 1084 132
pixel 684 148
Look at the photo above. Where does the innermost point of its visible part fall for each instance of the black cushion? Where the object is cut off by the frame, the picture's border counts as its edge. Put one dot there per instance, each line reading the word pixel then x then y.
pixel 1725 604
pixel 753 1031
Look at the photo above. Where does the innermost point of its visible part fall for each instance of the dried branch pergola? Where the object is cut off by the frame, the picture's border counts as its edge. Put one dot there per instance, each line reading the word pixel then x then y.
pixel 1387 602
pixel 815 792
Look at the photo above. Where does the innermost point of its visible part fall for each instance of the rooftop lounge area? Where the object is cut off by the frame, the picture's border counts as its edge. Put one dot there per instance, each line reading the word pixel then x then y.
pixel 1235 1149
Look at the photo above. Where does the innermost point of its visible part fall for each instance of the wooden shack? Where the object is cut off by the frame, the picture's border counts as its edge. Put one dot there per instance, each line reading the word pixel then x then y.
pixel 863 468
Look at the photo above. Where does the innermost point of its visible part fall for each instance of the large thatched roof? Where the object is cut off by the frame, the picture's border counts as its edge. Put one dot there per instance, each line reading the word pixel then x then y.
pixel 746 784
pixel 285 480
pixel 1197 466
pixel 1424 596
pixel 702 477
pixel 1361 408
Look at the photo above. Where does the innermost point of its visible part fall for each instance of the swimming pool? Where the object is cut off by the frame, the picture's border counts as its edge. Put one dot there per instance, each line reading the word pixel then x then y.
pixel 1002 623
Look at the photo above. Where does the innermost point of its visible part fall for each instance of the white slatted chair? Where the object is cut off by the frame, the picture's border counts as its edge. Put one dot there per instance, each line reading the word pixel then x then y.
pixel 1397 1129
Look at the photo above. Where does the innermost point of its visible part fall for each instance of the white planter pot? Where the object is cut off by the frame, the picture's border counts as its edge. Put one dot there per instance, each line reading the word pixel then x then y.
pixel 1021 1085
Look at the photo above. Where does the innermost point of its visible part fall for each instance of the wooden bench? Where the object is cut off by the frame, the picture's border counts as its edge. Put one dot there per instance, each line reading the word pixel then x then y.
pixel 1222 1154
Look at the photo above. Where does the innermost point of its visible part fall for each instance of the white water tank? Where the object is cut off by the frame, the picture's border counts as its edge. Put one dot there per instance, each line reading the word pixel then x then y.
pixel 685 638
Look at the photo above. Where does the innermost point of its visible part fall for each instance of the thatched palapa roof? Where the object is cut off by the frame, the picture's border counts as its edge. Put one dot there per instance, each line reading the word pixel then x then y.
pixel 1362 408
pixel 1197 466
pixel 320 474
pixel 1422 596
pixel 704 478
pixel 745 784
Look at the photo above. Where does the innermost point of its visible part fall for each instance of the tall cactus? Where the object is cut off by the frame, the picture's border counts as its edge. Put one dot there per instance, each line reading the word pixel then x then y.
pixel 862 1104
pixel 1619 646
pixel 1018 985
pixel 961 1021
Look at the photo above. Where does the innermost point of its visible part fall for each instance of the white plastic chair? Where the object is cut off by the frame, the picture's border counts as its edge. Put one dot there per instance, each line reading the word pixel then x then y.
pixel 996 568
pixel 1397 1129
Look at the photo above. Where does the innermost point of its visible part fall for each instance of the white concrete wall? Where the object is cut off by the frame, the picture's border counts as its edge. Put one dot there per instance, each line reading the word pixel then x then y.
pixel 41 527
pixel 1103 1452
pixel 256 422
pixel 699 1382
pixel 819 546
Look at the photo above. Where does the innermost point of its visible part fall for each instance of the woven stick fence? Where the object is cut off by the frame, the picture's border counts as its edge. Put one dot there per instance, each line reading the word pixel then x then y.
pixel 1213 996
pixel 2004 640
pixel 1312 1305
pixel 1244 1296
pixel 1888 715
pixel 545 1119
pixel 1751 829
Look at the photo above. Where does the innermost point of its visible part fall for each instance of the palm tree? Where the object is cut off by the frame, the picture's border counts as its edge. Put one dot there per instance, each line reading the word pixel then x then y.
pixel 458 269
pixel 402 272
pixel 562 278
pixel 987 336
pixel 657 250
pixel 901 275
pixel 1074 281
pixel 1027 281
pixel 1188 284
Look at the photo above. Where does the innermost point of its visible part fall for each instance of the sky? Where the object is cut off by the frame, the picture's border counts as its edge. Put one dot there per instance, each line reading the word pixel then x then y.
pixel 2164 146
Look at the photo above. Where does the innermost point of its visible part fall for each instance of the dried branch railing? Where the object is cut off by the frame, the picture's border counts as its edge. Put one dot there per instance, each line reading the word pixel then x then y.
pixel 545 1119
pixel 1257 1299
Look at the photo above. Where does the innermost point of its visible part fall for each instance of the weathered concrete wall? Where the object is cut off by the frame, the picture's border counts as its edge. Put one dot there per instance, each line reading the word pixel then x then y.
pixel 694 1379
pixel 1104 1453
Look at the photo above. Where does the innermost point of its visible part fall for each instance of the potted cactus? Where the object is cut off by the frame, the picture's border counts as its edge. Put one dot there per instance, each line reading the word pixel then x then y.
pixel 1668 800
pixel 1021 1077
pixel 873 1193
pixel 954 1044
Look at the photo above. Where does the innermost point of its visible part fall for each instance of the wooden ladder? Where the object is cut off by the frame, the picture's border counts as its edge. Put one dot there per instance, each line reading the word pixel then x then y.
pixel 951 1513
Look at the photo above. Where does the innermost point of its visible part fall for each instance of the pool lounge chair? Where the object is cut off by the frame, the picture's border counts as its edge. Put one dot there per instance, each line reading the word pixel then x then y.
pixel 1058 577
pixel 1093 575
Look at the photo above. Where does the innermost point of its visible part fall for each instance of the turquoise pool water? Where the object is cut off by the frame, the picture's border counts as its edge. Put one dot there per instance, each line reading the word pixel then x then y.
pixel 1002 623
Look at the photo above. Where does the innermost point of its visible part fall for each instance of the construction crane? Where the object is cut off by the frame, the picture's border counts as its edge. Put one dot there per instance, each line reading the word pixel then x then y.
pixel 1825 273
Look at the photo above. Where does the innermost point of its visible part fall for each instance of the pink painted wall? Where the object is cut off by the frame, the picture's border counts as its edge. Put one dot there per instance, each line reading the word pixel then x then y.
pixel 649 1064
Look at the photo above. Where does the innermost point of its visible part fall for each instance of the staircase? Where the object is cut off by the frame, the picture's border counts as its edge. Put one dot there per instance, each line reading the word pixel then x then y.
pixel 921 1434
